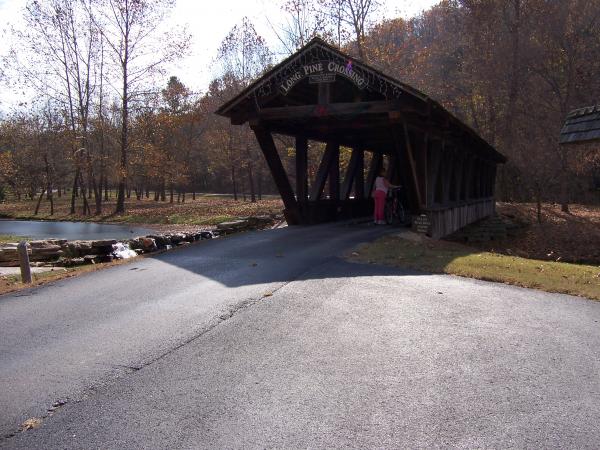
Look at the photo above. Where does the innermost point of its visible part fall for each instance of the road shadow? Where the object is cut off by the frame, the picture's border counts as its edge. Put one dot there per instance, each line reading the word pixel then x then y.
pixel 282 255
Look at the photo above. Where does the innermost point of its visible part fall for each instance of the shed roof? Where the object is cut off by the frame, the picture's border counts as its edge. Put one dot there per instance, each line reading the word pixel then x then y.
pixel 582 125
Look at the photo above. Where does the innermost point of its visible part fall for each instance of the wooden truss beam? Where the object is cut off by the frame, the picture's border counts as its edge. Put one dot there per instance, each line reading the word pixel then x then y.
pixel 265 140
pixel 354 173
pixel 331 150
pixel 328 110
pixel 301 168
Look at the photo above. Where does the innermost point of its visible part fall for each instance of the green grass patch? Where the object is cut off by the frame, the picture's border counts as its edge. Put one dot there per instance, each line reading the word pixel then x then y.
pixel 4 238
pixel 450 258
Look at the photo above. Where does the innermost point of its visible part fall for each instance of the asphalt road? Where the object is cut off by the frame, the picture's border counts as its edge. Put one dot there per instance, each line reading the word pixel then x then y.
pixel 269 340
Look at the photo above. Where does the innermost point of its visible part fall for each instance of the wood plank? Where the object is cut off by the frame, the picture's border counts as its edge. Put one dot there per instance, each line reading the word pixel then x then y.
pixel 265 141
pixel 301 168
pixel 330 110
pixel 323 171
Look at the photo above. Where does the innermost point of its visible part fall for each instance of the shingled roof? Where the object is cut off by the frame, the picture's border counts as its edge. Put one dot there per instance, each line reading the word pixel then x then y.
pixel 581 126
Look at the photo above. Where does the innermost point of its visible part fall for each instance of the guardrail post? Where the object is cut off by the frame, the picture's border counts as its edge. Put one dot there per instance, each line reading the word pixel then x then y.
pixel 24 262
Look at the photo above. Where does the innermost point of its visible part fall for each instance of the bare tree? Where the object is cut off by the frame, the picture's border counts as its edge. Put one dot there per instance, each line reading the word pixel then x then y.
pixel 131 30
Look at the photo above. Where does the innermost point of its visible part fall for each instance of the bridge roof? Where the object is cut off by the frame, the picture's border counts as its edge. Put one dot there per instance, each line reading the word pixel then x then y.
pixel 362 104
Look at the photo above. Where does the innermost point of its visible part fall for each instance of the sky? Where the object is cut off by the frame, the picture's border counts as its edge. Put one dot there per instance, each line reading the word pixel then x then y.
pixel 209 22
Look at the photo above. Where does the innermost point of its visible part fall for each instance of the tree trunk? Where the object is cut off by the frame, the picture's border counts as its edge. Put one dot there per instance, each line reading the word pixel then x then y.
pixel 86 206
pixel 74 190
pixel 37 207
pixel 171 193
pixel 251 184
pixel 124 133
pixel 259 182
pixel 234 183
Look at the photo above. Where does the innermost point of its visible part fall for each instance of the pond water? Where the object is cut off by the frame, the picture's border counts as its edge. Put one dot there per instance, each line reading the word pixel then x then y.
pixel 69 230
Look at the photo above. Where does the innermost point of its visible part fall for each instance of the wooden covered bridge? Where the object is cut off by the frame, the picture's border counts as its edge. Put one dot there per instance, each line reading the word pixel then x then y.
pixel 321 94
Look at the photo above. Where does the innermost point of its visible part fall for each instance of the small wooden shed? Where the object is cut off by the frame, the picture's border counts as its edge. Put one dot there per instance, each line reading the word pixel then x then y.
pixel 582 126
pixel 322 94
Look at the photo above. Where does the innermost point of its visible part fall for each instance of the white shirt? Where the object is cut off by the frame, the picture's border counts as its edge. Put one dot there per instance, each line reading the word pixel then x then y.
pixel 380 184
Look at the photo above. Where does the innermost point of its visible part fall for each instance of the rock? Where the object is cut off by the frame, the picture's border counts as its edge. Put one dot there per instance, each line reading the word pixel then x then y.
pixel 148 244
pixel 92 259
pixel 104 243
pixel 42 244
pixel 235 225
pixel 106 258
pixel 70 262
pixel 134 244
pixel 161 241
pixel 76 249
pixel 176 238
pixel 206 235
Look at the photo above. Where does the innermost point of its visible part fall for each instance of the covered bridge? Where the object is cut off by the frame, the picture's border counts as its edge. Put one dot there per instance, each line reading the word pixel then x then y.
pixel 321 94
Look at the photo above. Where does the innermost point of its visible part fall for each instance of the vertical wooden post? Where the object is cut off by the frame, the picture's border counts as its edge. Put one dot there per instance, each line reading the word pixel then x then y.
pixel 405 144
pixel 493 181
pixel 24 262
pixel 447 171
pixel 458 174
pixel 421 160
pixel 469 178
pixel 434 160
pixel 301 169
pixel 265 140
pixel 334 174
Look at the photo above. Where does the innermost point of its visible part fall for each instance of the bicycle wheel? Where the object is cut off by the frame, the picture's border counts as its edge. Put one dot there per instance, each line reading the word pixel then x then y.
pixel 401 214
pixel 389 212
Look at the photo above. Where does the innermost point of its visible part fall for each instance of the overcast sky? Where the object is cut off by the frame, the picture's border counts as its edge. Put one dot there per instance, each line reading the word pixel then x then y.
pixel 209 22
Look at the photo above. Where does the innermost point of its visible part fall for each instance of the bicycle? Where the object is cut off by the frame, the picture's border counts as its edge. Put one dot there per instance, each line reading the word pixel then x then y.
pixel 394 210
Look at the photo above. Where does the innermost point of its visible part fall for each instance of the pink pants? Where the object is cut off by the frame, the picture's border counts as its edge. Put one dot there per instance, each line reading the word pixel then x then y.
pixel 379 197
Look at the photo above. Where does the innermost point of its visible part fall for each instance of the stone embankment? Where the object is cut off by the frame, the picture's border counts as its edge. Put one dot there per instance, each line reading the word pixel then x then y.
pixel 60 252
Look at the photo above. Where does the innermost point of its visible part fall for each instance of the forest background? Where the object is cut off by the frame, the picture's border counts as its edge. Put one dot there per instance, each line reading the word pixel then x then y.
pixel 108 119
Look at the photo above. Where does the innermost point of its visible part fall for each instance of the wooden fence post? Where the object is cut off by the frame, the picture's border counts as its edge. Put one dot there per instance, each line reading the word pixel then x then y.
pixel 24 262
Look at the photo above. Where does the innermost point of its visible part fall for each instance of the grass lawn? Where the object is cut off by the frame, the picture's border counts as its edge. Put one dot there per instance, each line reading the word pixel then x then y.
pixel 4 238
pixel 11 283
pixel 456 259
pixel 206 209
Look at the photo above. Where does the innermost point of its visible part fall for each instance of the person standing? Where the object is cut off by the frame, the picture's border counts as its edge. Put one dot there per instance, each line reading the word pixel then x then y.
pixel 379 194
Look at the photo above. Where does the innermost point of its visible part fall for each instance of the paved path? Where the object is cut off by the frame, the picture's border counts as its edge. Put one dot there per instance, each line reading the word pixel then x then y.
pixel 181 353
